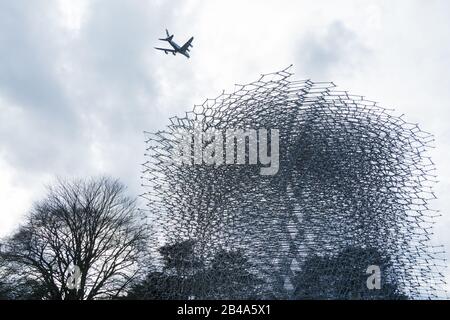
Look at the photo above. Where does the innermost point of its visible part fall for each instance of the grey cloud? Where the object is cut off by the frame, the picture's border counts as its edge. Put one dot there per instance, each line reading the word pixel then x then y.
pixel 28 52
pixel 61 95
pixel 337 47
pixel 30 82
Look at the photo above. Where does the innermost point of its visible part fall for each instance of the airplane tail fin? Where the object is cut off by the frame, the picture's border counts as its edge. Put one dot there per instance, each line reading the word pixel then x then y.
pixel 169 37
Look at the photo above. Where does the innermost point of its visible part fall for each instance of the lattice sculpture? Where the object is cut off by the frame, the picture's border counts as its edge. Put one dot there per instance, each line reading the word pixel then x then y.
pixel 352 190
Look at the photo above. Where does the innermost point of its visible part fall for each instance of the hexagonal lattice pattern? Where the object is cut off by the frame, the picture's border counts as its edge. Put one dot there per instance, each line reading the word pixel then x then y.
pixel 352 175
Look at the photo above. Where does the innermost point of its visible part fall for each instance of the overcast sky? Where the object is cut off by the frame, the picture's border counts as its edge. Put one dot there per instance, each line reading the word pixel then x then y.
pixel 80 80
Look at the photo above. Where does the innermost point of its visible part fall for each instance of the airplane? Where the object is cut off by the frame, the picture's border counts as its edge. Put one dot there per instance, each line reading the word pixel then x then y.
pixel 184 49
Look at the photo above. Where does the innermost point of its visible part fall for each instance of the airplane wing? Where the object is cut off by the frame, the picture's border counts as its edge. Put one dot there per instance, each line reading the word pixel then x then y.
pixel 166 50
pixel 186 46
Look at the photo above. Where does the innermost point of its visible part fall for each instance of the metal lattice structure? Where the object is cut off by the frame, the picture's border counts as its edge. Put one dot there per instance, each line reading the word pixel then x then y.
pixel 351 175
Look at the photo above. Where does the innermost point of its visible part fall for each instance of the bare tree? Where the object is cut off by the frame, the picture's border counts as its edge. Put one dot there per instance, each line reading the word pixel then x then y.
pixel 86 226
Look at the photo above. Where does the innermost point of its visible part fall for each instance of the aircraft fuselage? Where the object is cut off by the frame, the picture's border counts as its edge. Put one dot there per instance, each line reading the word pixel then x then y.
pixel 177 48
